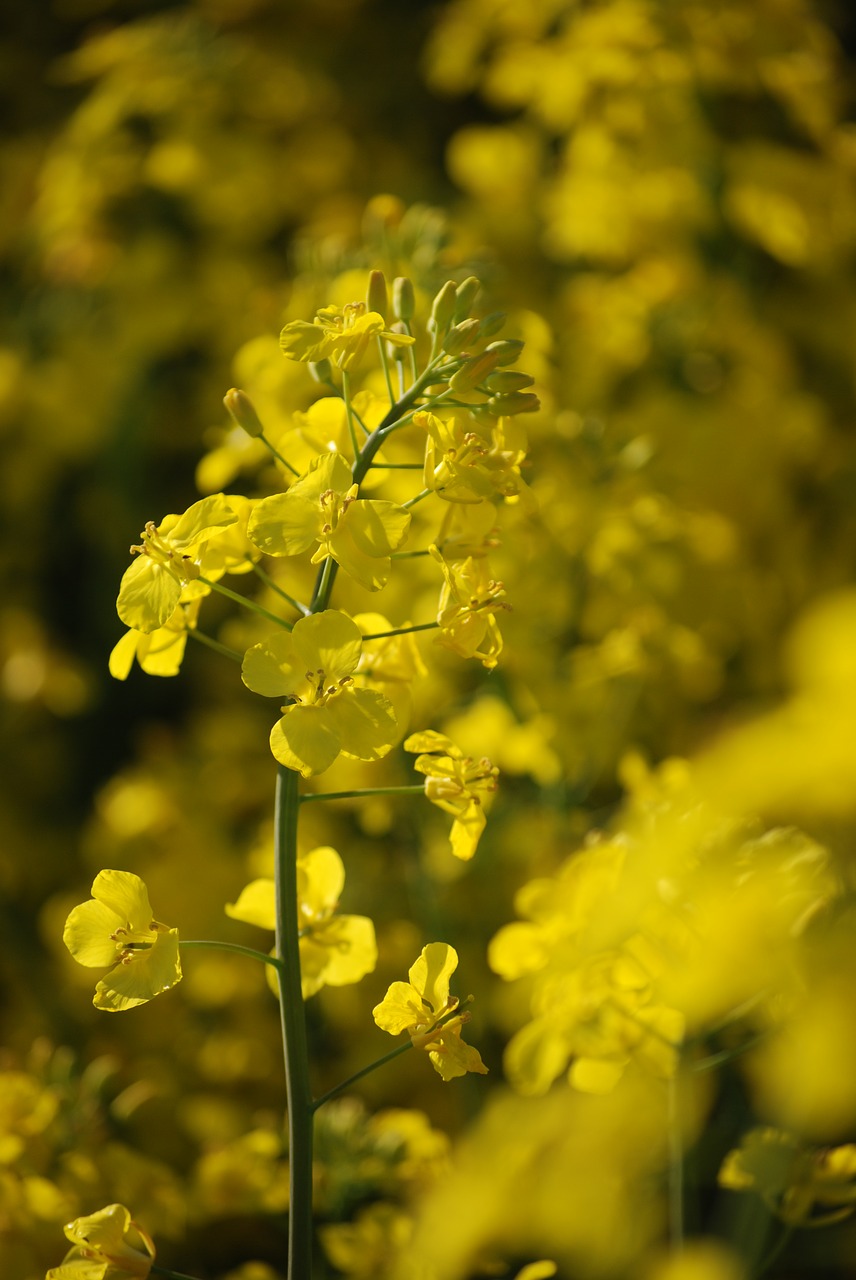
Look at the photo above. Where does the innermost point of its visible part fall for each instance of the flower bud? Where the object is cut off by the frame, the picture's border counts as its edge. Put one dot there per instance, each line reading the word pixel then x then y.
pixel 376 297
pixel 460 335
pixel 507 349
pixel 473 371
pixel 492 323
pixel 465 295
pixel 506 380
pixel 516 402
pixel 243 412
pixel 443 308
pixel 403 298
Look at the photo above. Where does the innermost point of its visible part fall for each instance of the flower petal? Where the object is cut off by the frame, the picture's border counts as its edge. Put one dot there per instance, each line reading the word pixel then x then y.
pixel 329 641
pixel 87 934
pixel 256 904
pixel 144 976
pixel 285 524
pixel 273 668
pixel 127 896
pixel 430 973
pixel 202 520
pixel 365 723
pixel 320 880
pixel 148 594
pixel 400 1009
pixel 305 739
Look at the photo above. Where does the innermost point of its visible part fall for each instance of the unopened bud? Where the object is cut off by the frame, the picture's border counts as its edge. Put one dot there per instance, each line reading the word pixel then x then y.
pixel 321 371
pixel 473 371
pixel 460 335
pixel 516 402
pixel 492 323
pixel 443 308
pixel 243 412
pixel 465 295
pixel 403 298
pixel 507 349
pixel 376 297
pixel 506 380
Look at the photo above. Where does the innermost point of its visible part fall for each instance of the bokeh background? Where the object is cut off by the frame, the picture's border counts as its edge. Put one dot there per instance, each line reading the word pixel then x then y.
pixel 662 196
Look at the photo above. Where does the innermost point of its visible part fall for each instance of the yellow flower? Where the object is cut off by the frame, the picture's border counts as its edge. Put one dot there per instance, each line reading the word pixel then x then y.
pixel 463 464
pixel 335 950
pixel 341 335
pixel 169 559
pixel 469 599
pixel 108 1245
pixel 423 1008
pixel 116 927
pixel 159 652
pixel 454 782
pixel 792 1179
pixel 323 507
pixel 327 714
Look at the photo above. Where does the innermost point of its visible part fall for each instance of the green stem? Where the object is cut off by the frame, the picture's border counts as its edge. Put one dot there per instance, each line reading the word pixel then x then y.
pixel 293 1016
pixel 245 601
pixel 776 1250
pixel 240 950
pixel 398 466
pixel 384 360
pixel 358 1075
pixel 324 585
pixel 403 631
pixel 346 396
pixel 211 643
pixel 676 1166
pixel 278 455
pixel 170 1275
pixel 411 502
pixel 274 586
pixel 408 555
pixel 417 789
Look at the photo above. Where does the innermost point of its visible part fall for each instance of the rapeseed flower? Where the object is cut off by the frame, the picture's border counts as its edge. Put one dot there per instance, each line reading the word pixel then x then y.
pixel 793 1180
pixel 159 652
pixel 455 783
pixel 323 507
pixel 338 335
pixel 466 612
pixel 327 714
pixel 424 1008
pixel 116 927
pixel 335 950
pixel 108 1245
pixel 169 559
pixel 463 464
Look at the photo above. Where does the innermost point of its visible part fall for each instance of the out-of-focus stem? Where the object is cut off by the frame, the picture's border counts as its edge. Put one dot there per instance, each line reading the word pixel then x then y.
pixel 293 1017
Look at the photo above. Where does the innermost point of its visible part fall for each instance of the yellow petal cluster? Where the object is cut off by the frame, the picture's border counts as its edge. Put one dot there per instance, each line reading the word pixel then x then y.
pixel 107 1245
pixel 116 928
pixel 455 783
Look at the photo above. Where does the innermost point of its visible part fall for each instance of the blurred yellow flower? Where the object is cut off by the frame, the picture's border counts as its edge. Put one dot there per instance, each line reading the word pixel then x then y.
pixel 323 507
pixel 116 927
pixel 423 1008
pixel 108 1245
pixel 455 783
pixel 792 1179
pixel 335 950
pixel 328 714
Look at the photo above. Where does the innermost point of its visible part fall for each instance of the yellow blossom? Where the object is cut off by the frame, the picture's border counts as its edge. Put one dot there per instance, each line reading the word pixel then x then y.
pixel 339 335
pixel 116 927
pixel 328 714
pixel 792 1179
pixel 463 463
pixel 469 601
pixel 335 950
pixel 159 652
pixel 169 558
pixel 107 1245
pixel 323 507
pixel 453 782
pixel 424 1008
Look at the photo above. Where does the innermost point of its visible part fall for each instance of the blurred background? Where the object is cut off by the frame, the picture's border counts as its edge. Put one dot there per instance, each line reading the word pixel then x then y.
pixel 662 196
